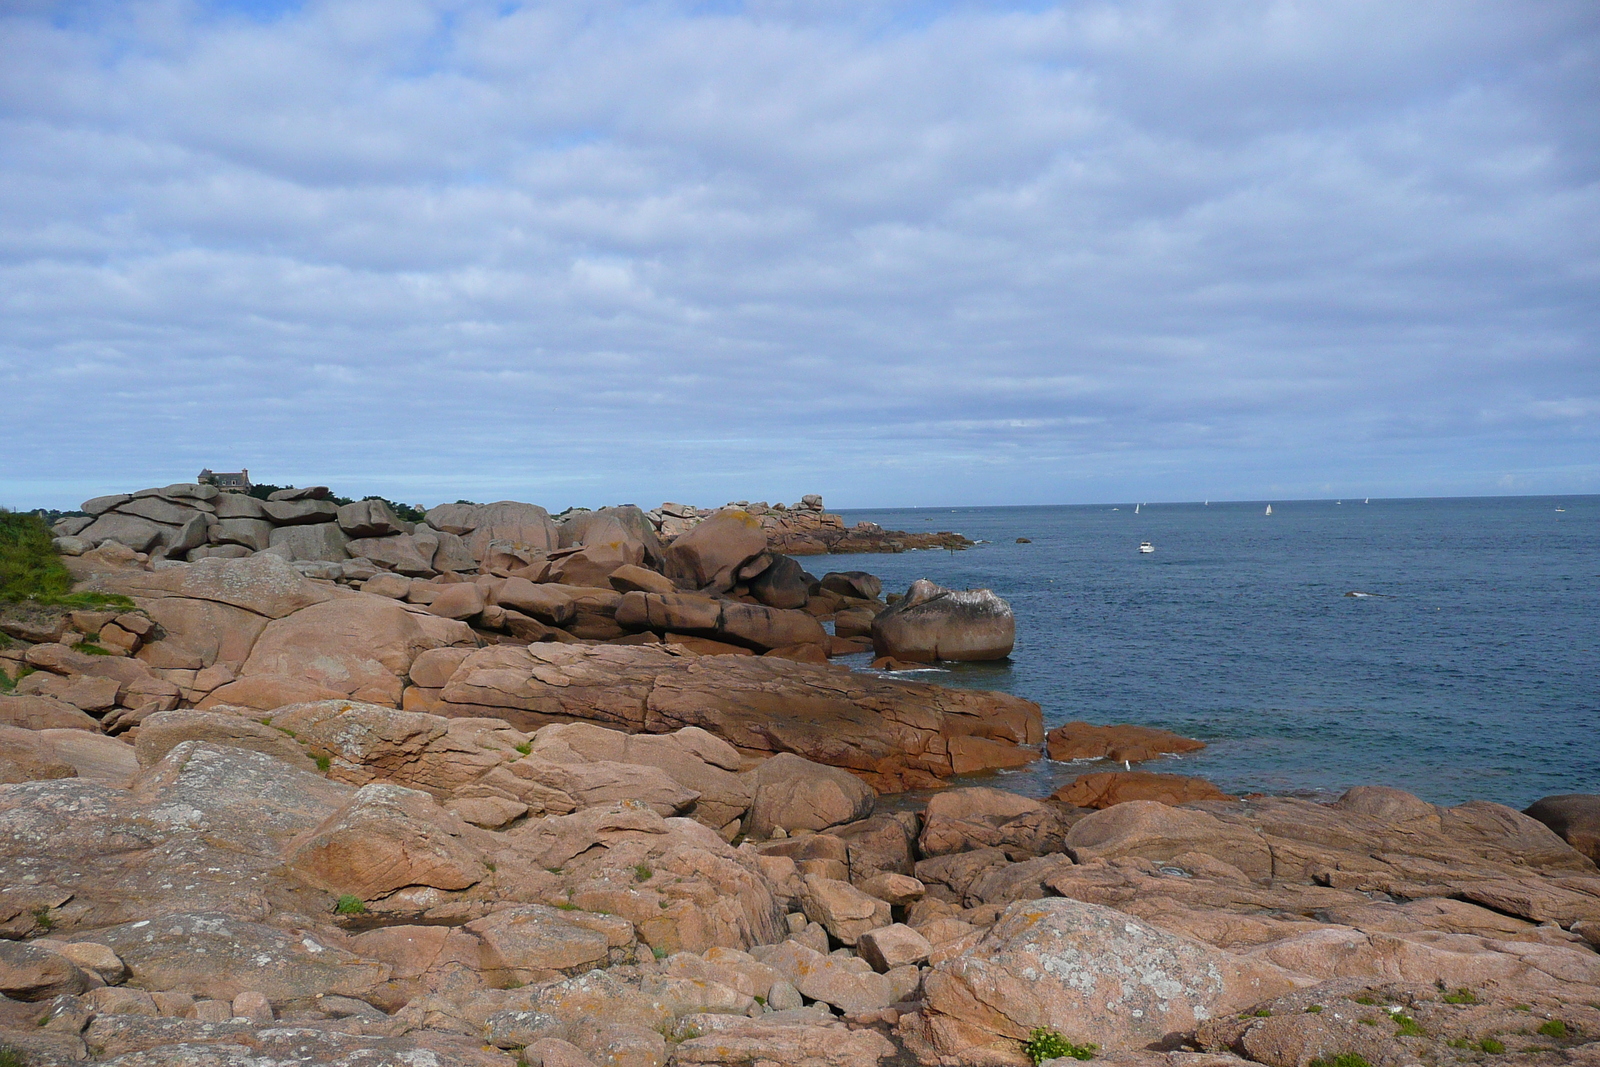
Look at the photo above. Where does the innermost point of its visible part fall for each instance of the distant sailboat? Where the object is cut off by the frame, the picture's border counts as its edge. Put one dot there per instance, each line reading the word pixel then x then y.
pixel 1136 509
pixel 1269 509
pixel 1367 501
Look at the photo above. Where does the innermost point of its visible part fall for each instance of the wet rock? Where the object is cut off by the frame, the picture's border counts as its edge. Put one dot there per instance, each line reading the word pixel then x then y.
pixel 1121 743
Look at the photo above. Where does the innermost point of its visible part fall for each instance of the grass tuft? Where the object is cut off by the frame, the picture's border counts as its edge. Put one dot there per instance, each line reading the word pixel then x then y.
pixel 1044 1044
pixel 643 872
pixel 1492 1046
pixel 1315 1009
pixel 1461 996
pixel 525 747
pixel 1343 1059
pixel 10 1057
pixel 350 904
pixel 323 763
pixel 1554 1028
pixel 1406 1026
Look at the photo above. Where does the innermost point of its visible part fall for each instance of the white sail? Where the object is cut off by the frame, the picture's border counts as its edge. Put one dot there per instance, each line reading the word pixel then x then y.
pixel 1136 509
pixel 1269 509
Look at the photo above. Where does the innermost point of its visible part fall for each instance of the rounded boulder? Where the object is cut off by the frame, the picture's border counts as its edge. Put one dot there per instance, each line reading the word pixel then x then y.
pixel 934 623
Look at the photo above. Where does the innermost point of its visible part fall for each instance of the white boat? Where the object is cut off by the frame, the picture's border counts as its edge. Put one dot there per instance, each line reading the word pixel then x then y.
pixel 1269 509
pixel 1136 509
pixel 1367 501
pixel 1145 547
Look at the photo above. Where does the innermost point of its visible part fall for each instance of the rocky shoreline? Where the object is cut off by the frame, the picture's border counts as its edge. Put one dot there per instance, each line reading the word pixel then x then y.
pixel 589 792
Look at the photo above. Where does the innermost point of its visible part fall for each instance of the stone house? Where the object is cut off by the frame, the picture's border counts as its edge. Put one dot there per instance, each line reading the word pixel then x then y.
pixel 228 482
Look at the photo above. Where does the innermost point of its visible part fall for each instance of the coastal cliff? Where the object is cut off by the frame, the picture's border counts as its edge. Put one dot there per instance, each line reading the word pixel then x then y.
pixel 598 797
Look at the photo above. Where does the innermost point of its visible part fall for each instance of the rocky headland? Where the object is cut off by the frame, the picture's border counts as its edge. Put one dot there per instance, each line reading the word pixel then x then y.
pixel 294 782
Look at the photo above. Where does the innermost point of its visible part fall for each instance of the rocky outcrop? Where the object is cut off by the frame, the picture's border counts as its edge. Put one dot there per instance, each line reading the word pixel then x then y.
pixel 1575 816
pixel 932 623
pixel 892 733
pixel 1106 788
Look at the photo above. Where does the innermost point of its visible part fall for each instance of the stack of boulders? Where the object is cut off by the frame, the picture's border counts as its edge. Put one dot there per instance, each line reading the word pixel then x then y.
pixel 335 882
pixel 713 630
pixel 805 529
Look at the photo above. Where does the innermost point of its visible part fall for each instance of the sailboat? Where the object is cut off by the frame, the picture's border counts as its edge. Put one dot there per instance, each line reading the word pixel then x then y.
pixel 1136 509
pixel 1269 509
pixel 1367 501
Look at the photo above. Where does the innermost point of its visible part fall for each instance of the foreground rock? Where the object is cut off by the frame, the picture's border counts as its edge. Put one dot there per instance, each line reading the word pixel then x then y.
pixel 1576 817
pixel 932 623
pixel 1082 970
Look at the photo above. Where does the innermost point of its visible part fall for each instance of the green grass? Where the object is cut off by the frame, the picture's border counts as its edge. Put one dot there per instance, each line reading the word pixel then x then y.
pixel 1406 1026
pixel 350 904
pixel 42 919
pixel 643 872
pixel 1343 1059
pixel 90 647
pixel 1461 996
pixel 1365 1000
pixel 1554 1028
pixel 524 748
pixel 1492 1046
pixel 1262 1013
pixel 323 763
pixel 659 953
pixel 1043 1044
pixel 30 567
pixel 1315 1009
pixel 10 1057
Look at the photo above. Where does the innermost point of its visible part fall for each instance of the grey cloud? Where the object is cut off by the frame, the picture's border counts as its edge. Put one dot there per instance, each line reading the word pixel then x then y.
pixel 899 253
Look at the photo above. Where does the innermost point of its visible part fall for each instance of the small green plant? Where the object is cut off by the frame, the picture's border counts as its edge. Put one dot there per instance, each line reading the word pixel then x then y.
pixel 284 730
pixel 1492 1046
pixel 1459 1042
pixel 1369 1022
pixel 659 953
pixel 1554 1028
pixel 524 748
pixel 567 905
pixel 489 864
pixel 1315 1009
pixel 761 1000
pixel 1343 1059
pixel 1364 999
pixel 10 1057
pixel 1043 1044
pixel 1521 1007
pixel 90 646
pixel 1461 996
pixel 1406 1026
pixel 1263 1013
pixel 554 870
pixel 350 904
pixel 643 872
pixel 323 762
pixel 42 919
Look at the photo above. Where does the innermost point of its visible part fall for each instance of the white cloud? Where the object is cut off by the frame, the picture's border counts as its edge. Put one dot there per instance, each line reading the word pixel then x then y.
pixel 579 253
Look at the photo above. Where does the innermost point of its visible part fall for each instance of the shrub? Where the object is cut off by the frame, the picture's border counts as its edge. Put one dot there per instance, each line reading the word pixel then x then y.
pixel 350 904
pixel 1043 1044
pixel 30 567
pixel 1554 1028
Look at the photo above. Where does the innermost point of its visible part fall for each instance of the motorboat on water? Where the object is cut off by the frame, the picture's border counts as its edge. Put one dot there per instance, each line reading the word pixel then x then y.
pixel 1145 547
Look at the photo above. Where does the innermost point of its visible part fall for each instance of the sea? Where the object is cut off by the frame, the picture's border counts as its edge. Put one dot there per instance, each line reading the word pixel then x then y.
pixel 1447 647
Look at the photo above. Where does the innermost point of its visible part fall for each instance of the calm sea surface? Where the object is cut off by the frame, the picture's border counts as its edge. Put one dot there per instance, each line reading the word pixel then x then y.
pixel 1470 673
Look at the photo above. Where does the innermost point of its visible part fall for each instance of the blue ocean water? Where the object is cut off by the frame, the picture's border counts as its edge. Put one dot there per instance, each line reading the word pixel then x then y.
pixel 1470 673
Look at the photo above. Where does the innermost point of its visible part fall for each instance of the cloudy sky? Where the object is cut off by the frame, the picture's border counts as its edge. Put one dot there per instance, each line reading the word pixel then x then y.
pixel 899 254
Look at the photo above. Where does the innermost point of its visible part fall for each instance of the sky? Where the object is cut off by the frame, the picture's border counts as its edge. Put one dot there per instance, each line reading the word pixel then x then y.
pixel 899 254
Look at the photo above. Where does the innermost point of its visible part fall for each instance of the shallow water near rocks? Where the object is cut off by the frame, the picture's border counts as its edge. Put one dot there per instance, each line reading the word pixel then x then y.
pixel 1471 672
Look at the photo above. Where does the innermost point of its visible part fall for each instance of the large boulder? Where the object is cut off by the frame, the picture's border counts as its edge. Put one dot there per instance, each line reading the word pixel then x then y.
pixel 1575 816
pixel 1090 973
pixel 625 526
pixel 370 518
pixel 387 838
pixel 44 713
pixel 895 734
pixel 746 625
pixel 1154 831
pixel 25 756
pixel 401 553
pixel 933 623
pixel 262 584
pixel 359 646
pixel 163 731
pixel 711 555
pixel 793 793
pixel 525 525
pixel 782 584
pixel 318 541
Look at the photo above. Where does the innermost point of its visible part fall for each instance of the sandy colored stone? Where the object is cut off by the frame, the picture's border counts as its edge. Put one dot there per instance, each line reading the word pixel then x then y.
pixel 1156 831
pixel 1080 969
pixel 386 838
pixel 850 985
pixel 161 732
pixel 793 793
pixel 45 713
pixel 1103 789
pixel 844 910
pixel 896 945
